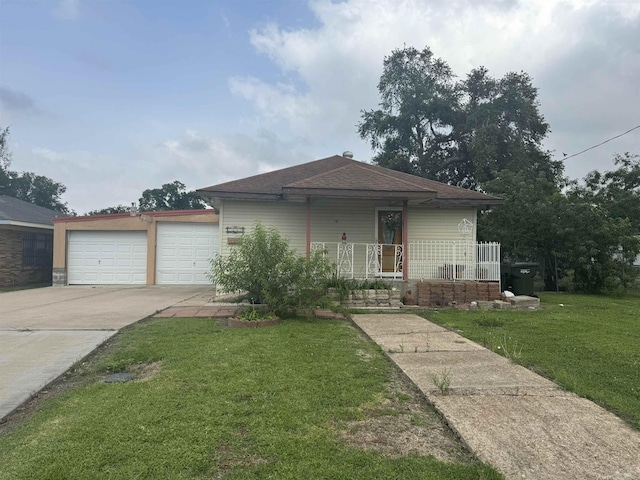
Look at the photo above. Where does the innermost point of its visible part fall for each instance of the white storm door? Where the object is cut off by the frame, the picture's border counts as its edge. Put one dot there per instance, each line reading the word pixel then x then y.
pixel 107 258
pixel 183 252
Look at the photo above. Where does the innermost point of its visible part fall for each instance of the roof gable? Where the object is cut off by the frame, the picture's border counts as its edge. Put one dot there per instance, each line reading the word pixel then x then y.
pixel 15 210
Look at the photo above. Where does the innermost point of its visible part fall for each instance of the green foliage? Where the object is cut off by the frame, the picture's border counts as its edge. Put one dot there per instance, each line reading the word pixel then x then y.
pixel 110 210
pixel 28 186
pixel 171 196
pixel 579 234
pixel 464 132
pixel 264 266
pixel 253 314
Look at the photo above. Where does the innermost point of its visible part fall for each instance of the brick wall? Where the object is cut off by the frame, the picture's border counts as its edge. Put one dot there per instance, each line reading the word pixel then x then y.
pixel 12 273
pixel 441 294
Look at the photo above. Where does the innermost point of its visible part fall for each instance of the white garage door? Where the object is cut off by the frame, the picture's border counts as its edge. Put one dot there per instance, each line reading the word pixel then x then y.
pixel 107 258
pixel 184 251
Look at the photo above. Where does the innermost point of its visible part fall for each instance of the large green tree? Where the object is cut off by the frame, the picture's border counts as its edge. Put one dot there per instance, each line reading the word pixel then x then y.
pixel 171 196
pixel 461 132
pixel 486 133
pixel 29 186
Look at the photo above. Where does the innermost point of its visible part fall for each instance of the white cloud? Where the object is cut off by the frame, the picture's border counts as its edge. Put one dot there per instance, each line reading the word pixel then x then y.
pixel 582 55
pixel 68 9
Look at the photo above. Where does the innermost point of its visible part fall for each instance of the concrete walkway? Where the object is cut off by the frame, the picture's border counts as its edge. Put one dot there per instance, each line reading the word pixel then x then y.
pixel 521 423
pixel 45 331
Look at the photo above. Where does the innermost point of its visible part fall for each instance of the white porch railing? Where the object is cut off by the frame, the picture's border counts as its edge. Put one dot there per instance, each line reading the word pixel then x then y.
pixel 363 260
pixel 454 260
pixel 428 260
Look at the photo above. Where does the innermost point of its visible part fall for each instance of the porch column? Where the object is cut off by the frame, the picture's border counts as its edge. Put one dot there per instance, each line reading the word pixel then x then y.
pixel 308 203
pixel 405 241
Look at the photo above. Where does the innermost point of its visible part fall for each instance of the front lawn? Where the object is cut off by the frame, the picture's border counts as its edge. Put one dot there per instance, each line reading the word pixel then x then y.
pixel 587 344
pixel 212 402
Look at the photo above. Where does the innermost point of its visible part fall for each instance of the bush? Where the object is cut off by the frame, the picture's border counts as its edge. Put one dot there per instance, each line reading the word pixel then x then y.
pixel 264 266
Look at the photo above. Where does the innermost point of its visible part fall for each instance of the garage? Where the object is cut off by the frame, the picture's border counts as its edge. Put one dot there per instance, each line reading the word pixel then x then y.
pixel 184 251
pixel 171 247
pixel 107 258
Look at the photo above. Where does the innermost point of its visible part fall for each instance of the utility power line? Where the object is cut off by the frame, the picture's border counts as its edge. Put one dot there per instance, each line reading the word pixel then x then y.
pixel 566 157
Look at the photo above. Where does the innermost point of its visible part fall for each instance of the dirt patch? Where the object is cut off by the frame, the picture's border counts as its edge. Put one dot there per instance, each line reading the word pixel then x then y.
pixel 143 372
pixel 403 423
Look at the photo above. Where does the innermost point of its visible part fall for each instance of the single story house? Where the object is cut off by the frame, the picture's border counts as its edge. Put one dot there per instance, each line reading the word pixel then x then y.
pixel 371 221
pixel 143 248
pixel 26 242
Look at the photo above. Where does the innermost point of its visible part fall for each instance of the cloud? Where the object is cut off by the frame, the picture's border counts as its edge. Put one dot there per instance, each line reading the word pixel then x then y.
pixel 68 10
pixel 582 55
pixel 16 102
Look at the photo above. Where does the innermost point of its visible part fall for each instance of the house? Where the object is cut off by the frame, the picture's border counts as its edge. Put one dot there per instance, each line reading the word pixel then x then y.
pixel 26 242
pixel 371 221
pixel 136 248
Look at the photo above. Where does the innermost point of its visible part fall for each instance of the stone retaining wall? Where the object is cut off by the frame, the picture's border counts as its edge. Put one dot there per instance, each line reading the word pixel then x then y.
pixel 369 298
pixel 445 293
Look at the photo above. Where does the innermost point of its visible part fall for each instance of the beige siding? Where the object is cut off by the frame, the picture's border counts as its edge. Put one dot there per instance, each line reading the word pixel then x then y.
pixel 330 219
pixel 439 223
pixel 288 218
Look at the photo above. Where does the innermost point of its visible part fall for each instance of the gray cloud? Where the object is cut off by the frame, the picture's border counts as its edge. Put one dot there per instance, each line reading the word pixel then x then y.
pixel 17 102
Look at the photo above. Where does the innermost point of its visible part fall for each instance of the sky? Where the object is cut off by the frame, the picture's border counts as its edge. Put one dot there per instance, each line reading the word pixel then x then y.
pixel 113 97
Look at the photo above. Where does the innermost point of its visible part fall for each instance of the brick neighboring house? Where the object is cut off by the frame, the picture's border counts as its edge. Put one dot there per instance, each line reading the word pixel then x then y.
pixel 26 242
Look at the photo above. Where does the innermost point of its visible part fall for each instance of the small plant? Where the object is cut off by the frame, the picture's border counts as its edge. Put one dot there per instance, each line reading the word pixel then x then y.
pixel 510 348
pixel 255 315
pixel 442 381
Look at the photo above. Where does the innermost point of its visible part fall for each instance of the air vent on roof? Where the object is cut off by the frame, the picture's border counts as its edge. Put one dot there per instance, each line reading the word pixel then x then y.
pixel 347 154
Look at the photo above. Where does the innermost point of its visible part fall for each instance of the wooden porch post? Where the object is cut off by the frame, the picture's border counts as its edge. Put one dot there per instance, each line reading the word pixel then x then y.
pixel 308 227
pixel 405 241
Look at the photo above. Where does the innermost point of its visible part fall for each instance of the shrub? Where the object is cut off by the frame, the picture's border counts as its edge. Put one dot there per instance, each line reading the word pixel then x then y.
pixel 263 265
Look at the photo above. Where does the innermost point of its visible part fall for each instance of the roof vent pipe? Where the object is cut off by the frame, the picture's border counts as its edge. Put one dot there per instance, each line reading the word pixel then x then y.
pixel 347 154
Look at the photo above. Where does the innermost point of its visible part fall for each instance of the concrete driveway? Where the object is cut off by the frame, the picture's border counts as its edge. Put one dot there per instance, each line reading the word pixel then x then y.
pixel 45 331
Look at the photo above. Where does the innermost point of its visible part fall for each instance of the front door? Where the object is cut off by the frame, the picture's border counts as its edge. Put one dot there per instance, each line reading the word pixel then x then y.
pixel 390 235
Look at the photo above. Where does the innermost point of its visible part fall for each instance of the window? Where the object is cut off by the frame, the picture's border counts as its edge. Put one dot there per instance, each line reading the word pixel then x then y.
pixel 37 250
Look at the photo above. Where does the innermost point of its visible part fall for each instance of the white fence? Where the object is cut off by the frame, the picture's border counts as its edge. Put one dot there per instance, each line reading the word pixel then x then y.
pixel 363 260
pixel 454 260
pixel 428 260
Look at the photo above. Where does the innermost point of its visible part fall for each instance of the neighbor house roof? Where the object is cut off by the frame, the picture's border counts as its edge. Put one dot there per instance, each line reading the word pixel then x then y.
pixel 24 214
pixel 341 177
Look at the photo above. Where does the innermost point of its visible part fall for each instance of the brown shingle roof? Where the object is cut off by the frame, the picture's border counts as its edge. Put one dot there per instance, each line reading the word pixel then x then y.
pixel 341 177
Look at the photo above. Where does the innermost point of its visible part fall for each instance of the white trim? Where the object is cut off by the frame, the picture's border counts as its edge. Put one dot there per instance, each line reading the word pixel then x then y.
pixel 25 224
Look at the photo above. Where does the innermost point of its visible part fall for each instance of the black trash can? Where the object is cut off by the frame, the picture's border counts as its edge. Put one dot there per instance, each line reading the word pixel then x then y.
pixel 518 277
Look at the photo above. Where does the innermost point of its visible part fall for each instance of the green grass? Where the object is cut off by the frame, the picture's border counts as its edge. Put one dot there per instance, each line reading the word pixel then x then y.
pixel 24 287
pixel 227 403
pixel 590 345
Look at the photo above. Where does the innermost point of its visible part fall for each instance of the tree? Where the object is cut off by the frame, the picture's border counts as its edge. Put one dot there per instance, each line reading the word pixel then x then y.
pixel 578 231
pixel 171 196
pixel 110 210
pixel 463 133
pixel 28 186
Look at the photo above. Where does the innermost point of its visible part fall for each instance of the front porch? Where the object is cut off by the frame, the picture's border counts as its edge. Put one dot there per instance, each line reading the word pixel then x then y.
pixel 420 260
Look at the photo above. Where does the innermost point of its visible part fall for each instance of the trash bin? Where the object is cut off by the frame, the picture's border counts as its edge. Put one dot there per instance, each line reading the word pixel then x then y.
pixel 518 277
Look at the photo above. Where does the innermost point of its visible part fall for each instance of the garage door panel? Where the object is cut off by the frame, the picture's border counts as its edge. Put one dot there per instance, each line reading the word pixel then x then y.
pixel 107 257
pixel 183 252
